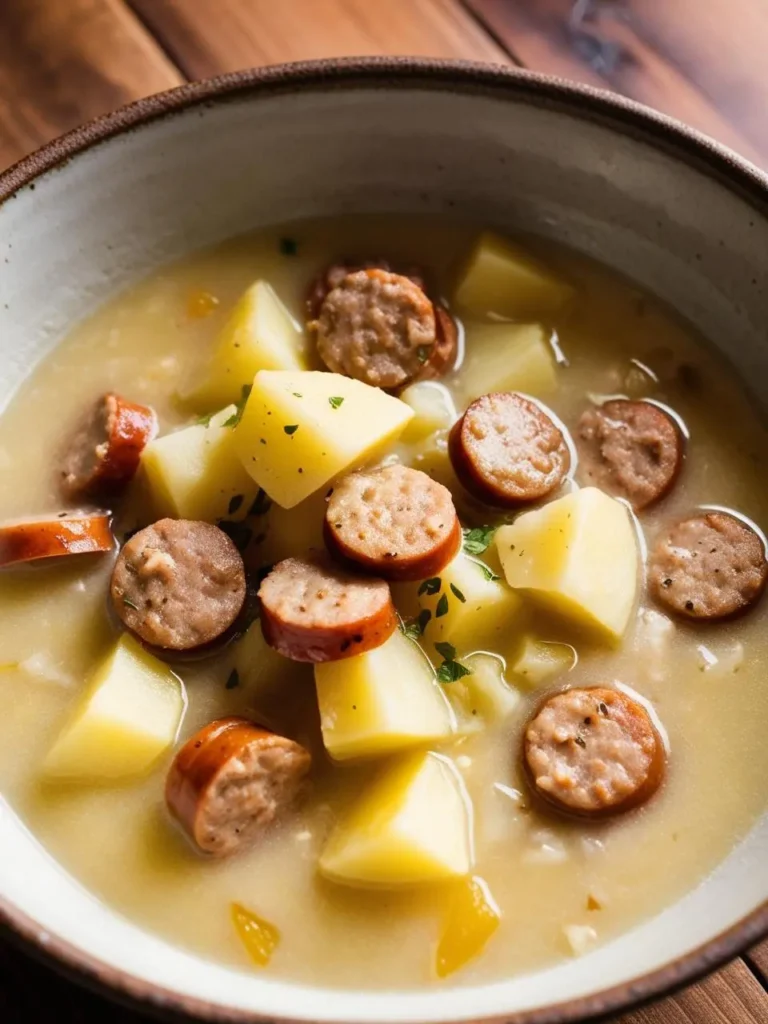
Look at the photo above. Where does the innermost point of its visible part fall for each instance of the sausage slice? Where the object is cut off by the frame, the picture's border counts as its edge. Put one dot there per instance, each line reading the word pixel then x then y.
pixel 632 450
pixel 507 451
pixel 707 567
pixel 394 521
pixel 230 781
pixel 179 584
pixel 333 275
pixel 312 611
pixel 593 752
pixel 104 454
pixel 71 533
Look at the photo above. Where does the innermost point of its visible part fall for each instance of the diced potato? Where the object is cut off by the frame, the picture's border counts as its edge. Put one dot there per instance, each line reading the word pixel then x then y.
pixel 507 357
pixel 411 826
pixel 195 473
pixel 384 700
pixel 484 696
pixel 577 556
pixel 294 531
pixel 258 665
pixel 502 278
pixel 259 335
pixel 540 660
pixel 473 916
pixel 432 406
pixel 470 610
pixel 300 430
pixel 129 716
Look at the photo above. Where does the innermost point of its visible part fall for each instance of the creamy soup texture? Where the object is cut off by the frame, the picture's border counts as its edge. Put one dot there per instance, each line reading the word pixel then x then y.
pixel 561 886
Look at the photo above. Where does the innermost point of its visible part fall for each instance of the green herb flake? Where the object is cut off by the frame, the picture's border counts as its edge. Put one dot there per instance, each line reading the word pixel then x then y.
pixel 129 603
pixel 204 421
pixel 336 401
pixel 233 680
pixel 261 504
pixel 237 415
pixel 430 586
pixel 423 618
pixel 446 651
pixel 297 394
pixel 477 540
pixel 289 246
pixel 442 607
pixel 457 593
pixel 450 671
pixel 409 628
pixel 235 503
pixel 291 429
pixel 487 572
pixel 422 353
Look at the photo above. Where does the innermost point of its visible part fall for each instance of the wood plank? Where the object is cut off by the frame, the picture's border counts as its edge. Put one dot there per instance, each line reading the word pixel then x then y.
pixel 757 959
pixel 63 63
pixel 732 996
pixel 678 58
pixel 250 32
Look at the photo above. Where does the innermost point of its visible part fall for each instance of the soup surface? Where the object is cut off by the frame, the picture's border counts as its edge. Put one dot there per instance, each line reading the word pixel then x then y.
pixel 560 885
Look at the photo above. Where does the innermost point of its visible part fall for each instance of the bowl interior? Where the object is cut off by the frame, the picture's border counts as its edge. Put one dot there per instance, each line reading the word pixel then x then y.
pixel 653 206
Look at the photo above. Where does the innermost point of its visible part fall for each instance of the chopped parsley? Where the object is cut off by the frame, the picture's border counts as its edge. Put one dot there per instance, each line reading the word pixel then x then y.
pixel 233 680
pixel 238 533
pixel 477 539
pixel 291 428
pixel 422 353
pixel 261 504
pixel 289 246
pixel 237 415
pixel 129 603
pixel 204 421
pixel 446 651
pixel 457 593
pixel 488 573
pixel 297 394
pixel 336 401
pixel 234 503
pixel 414 628
pixel 442 607
pixel 450 670
pixel 430 586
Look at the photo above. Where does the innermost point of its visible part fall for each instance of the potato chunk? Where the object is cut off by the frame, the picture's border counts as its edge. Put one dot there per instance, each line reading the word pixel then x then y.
pixel 300 430
pixel 483 697
pixel 539 661
pixel 411 826
pixel 468 607
pixel 259 335
pixel 128 717
pixel 433 409
pixel 293 532
pixel 473 916
pixel 577 556
pixel 384 700
pixel 195 473
pixel 502 278
pixel 507 357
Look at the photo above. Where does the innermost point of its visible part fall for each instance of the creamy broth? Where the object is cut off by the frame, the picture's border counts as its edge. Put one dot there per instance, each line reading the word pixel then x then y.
pixel 546 875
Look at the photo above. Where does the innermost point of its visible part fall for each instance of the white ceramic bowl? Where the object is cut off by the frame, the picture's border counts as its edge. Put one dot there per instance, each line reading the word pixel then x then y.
pixel 93 211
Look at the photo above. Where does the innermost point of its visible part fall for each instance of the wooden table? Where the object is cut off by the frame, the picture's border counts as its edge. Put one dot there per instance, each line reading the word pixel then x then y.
pixel 64 61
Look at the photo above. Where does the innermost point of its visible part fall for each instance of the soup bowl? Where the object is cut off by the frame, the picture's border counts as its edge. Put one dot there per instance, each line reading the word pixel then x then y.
pixel 91 212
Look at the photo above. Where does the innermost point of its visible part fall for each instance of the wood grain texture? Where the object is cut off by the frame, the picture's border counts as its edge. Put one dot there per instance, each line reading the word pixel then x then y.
pixel 249 32
pixel 696 61
pixel 65 61
pixel 757 959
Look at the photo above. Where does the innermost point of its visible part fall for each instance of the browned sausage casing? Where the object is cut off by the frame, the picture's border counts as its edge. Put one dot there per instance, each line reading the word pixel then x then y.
pixel 632 450
pixel 710 566
pixel 105 453
pixel 230 781
pixel 593 752
pixel 507 451
pixel 179 584
pixel 395 522
pixel 76 533
pixel 313 611
pixel 334 274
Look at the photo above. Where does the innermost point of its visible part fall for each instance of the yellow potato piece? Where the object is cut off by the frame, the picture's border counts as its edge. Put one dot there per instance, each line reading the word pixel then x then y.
pixel 411 826
pixel 300 430
pixel 433 409
pixel 473 916
pixel 507 357
pixel 259 335
pixel 293 532
pixel 470 610
pixel 195 473
pixel 260 937
pixel 577 556
pixel 128 717
pixel 541 660
pixel 502 278
pixel 484 697
pixel 382 701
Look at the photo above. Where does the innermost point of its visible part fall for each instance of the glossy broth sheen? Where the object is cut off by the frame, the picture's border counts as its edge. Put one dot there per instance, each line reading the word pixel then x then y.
pixel 541 871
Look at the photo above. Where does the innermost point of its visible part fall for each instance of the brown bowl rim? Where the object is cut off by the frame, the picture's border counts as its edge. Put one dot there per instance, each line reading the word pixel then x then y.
pixel 463 77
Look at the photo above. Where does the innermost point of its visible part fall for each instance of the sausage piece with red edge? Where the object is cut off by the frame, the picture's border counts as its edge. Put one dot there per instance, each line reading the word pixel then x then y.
pixel 334 274
pixel 710 566
pixel 632 450
pixel 593 752
pixel 230 781
pixel 313 611
pixel 507 450
pixel 179 584
pixel 393 521
pixel 104 455
pixel 72 533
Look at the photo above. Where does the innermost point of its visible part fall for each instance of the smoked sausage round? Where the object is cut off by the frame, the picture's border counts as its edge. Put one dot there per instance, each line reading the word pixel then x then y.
pixel 71 533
